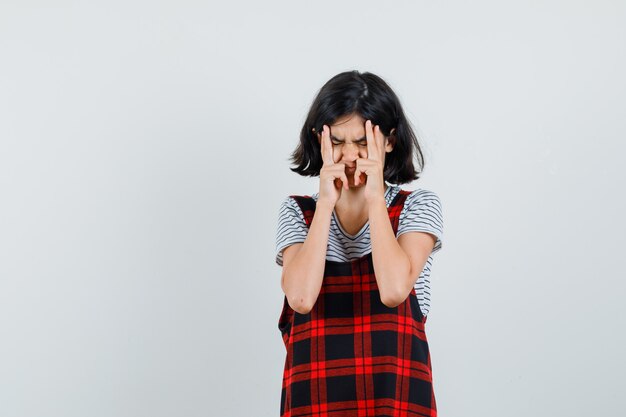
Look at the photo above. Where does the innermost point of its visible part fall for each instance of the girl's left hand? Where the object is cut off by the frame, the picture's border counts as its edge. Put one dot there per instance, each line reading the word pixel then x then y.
pixel 373 166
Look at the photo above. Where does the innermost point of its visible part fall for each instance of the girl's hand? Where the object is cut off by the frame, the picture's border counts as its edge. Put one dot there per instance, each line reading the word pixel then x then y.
pixel 332 175
pixel 373 166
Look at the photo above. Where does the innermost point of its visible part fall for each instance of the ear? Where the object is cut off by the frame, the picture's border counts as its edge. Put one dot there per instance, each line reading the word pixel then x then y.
pixel 319 137
pixel 391 141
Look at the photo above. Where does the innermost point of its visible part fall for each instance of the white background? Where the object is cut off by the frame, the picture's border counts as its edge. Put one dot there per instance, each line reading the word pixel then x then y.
pixel 144 154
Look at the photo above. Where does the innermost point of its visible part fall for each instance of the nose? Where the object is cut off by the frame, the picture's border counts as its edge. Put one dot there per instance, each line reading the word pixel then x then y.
pixel 350 151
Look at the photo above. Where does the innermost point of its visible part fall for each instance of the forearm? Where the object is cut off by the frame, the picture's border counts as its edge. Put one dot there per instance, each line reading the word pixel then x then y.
pixel 391 264
pixel 302 278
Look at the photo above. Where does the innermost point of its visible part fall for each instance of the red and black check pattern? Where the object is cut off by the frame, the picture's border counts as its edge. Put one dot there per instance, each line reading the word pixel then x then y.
pixel 351 355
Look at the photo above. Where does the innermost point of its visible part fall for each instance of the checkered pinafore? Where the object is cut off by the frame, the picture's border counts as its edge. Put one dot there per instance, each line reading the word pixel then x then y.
pixel 351 355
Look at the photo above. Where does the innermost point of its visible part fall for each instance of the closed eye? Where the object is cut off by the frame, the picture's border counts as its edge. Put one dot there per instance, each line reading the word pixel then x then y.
pixel 364 143
pixel 360 142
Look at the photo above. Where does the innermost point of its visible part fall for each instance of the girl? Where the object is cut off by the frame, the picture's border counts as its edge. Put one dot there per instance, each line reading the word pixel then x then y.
pixel 356 260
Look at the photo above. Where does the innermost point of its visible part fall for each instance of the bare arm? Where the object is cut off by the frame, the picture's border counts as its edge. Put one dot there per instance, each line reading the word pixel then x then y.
pixel 397 263
pixel 391 264
pixel 303 263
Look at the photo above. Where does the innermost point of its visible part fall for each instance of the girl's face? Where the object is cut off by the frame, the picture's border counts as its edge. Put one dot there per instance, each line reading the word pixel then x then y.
pixel 347 136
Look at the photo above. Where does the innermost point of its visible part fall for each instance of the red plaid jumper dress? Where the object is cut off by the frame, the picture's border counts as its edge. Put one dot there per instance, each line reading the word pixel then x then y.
pixel 351 355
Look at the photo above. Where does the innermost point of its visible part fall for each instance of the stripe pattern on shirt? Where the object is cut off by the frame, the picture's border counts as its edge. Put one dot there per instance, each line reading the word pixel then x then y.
pixel 421 213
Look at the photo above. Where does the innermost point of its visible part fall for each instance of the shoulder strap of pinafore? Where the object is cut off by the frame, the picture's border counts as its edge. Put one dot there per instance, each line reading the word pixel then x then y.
pixel 395 208
pixel 307 204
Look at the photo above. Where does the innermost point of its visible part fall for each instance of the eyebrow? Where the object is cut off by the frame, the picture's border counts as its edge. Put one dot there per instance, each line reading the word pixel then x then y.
pixel 342 140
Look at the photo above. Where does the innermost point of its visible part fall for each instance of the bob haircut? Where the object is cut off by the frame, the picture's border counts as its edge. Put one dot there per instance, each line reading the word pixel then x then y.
pixel 367 95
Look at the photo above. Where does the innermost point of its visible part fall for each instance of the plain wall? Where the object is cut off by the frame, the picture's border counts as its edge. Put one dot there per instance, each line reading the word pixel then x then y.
pixel 144 155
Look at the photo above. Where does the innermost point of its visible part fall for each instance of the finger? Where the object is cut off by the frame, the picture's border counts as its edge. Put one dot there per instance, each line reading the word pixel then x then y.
pixel 374 151
pixel 344 179
pixel 341 174
pixel 369 134
pixel 357 173
pixel 328 147
pixel 380 142
pixel 323 146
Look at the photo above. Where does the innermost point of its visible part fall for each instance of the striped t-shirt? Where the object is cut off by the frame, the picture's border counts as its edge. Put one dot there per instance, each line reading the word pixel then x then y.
pixel 421 213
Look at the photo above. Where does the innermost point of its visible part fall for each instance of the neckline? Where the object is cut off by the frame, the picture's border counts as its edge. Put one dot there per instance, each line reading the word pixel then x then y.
pixel 368 254
pixel 346 234
pixel 367 223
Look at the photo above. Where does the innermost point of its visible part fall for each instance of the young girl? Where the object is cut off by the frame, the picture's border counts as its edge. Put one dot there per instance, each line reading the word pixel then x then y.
pixel 356 260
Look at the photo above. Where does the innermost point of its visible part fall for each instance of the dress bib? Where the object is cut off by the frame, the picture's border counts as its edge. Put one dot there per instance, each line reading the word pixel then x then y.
pixel 351 355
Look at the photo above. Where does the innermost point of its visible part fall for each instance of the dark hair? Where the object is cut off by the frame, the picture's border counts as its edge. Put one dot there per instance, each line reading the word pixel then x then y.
pixel 367 95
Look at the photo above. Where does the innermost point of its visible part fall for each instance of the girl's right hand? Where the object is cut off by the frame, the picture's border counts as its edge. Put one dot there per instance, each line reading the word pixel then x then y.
pixel 332 175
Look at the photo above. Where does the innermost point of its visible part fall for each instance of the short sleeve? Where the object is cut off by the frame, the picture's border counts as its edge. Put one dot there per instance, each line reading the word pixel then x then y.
pixel 422 213
pixel 291 227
